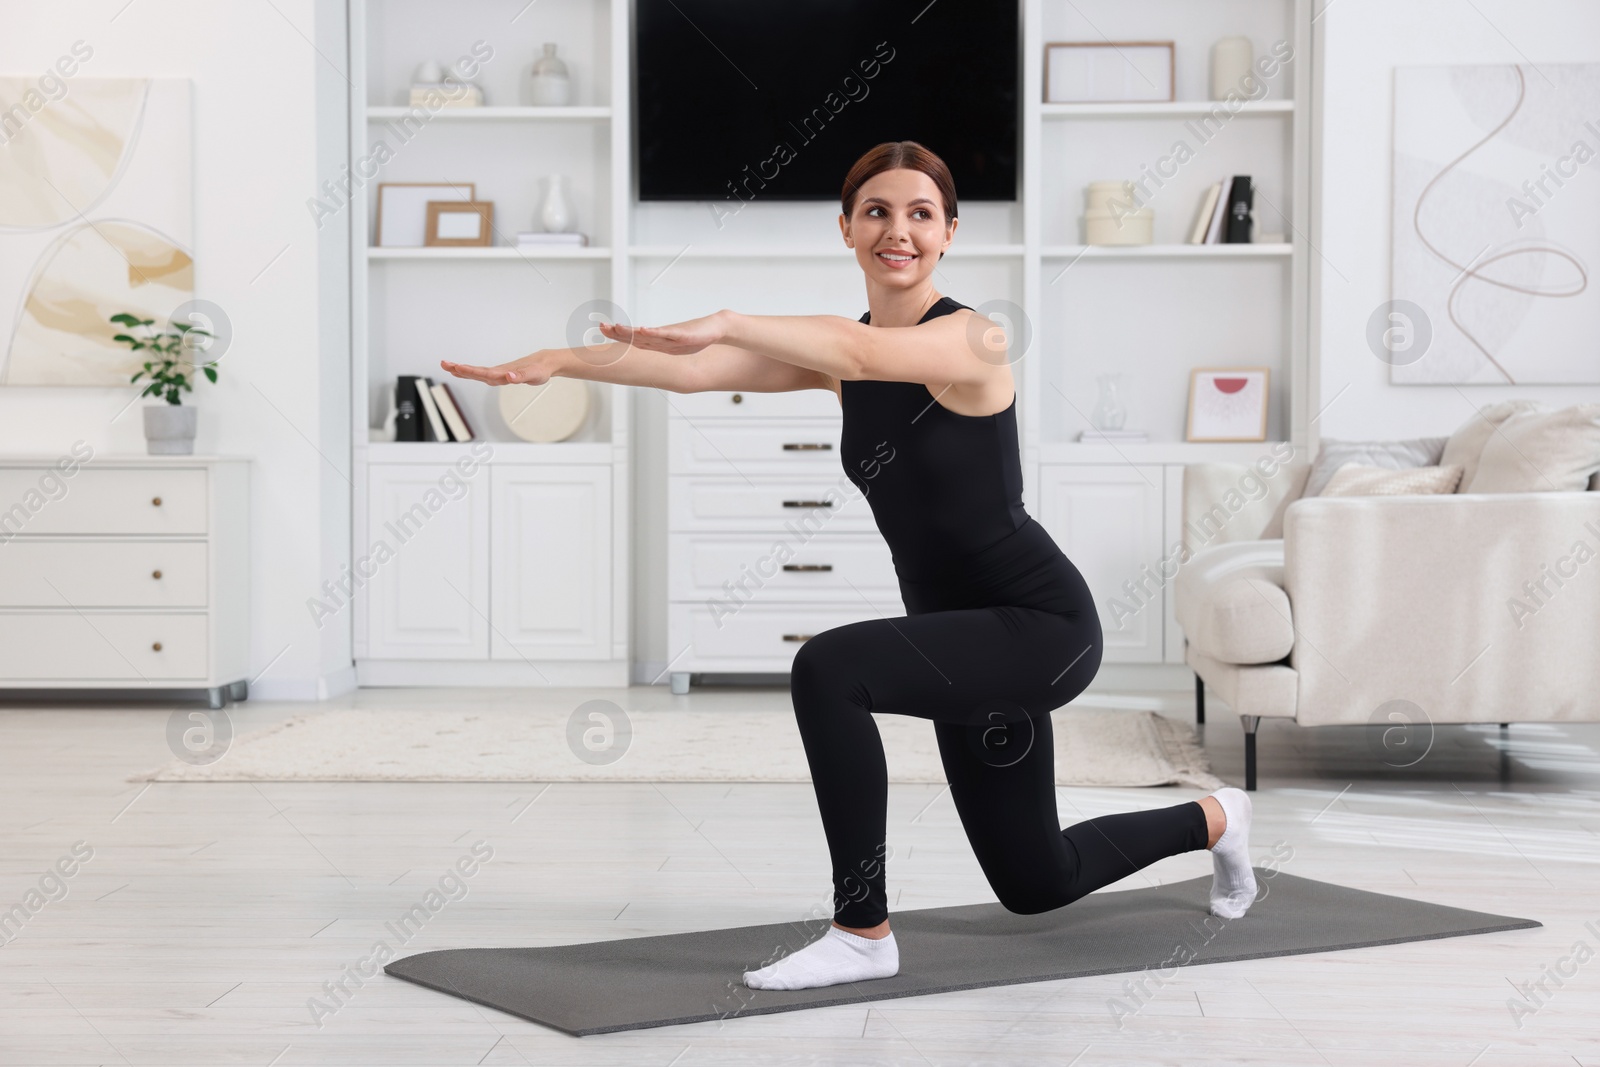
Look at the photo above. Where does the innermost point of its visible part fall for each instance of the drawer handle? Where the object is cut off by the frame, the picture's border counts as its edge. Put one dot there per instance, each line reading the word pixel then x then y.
pixel 156 646
pixel 738 398
pixel 821 446
pixel 808 566
pixel 808 504
pixel 155 574
pixel 156 501
pixel 798 637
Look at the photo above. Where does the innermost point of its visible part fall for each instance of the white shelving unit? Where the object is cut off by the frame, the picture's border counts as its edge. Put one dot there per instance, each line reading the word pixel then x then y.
pixel 1152 312
pixel 514 573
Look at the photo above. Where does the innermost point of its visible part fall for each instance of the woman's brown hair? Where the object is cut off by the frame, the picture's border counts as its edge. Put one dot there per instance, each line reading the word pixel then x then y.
pixel 898 155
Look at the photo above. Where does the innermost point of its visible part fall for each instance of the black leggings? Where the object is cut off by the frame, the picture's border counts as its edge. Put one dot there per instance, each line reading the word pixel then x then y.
pixel 988 678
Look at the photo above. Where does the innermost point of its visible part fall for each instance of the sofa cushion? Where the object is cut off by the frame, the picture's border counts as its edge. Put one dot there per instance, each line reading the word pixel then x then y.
pixel 1353 479
pixel 1391 455
pixel 1229 599
pixel 1466 443
pixel 1541 451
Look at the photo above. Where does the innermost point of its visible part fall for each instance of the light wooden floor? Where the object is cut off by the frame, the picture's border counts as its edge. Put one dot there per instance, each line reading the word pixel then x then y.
pixel 209 915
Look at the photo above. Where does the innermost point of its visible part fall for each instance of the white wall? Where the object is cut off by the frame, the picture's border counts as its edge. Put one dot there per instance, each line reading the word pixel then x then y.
pixel 265 101
pixel 1362 42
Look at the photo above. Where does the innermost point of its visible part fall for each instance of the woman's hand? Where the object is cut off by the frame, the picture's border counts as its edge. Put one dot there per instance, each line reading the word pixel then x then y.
pixel 529 370
pixel 679 339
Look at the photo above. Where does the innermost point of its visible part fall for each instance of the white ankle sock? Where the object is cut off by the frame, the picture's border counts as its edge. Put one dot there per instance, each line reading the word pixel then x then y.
pixel 837 956
pixel 1233 883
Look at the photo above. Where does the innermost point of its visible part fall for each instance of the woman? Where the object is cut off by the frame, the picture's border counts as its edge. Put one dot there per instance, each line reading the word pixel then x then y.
pixel 1000 627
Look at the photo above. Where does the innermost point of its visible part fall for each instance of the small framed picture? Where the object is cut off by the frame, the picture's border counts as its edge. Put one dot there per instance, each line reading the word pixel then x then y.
pixel 1081 72
pixel 460 224
pixel 1228 403
pixel 403 209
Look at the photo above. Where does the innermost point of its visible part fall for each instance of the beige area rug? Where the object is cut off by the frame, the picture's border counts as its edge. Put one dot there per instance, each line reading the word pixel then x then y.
pixel 1094 747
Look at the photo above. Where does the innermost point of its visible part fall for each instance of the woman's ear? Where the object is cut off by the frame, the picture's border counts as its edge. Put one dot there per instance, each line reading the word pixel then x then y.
pixel 844 228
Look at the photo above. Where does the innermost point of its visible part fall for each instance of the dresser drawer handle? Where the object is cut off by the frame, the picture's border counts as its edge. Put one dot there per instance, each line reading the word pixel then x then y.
pixel 156 646
pixel 808 503
pixel 808 566
pixel 155 574
pixel 798 637
pixel 737 398
pixel 156 501
pixel 820 446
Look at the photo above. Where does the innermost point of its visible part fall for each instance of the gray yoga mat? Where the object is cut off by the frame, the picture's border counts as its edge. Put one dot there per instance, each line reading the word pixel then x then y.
pixel 637 982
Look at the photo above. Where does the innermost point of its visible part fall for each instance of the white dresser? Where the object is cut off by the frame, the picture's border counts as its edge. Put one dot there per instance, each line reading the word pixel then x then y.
pixel 125 571
pixel 768 541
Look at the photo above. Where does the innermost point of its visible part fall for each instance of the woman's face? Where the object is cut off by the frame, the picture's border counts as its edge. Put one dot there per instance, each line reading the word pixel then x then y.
pixel 897 227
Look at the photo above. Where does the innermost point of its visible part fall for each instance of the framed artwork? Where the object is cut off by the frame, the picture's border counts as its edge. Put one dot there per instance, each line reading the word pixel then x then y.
pixel 403 209
pixel 1079 72
pixel 96 219
pixel 1228 403
pixel 1495 227
pixel 460 224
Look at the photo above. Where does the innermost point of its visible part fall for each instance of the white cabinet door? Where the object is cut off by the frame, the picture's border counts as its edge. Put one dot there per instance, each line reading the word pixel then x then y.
pixel 552 563
pixel 427 566
pixel 1108 522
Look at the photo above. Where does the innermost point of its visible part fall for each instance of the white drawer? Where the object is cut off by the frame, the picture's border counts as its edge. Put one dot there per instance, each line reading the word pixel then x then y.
pixel 764 637
pixel 97 646
pixel 727 503
pixel 798 403
pixel 139 500
pixel 784 567
pixel 43 573
pixel 753 446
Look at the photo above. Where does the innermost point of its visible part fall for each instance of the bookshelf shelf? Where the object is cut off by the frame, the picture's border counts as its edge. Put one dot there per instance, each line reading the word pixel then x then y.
pixel 498 252
pixel 1176 109
pixel 495 114
pixel 1167 251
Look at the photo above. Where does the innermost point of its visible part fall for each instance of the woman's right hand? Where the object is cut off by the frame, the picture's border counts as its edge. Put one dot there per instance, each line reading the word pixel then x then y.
pixel 529 370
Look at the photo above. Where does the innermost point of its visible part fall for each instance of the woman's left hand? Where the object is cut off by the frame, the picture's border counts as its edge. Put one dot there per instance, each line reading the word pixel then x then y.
pixel 678 339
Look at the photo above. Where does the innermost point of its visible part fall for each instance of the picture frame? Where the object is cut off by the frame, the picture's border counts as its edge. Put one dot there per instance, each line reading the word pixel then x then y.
pixel 1228 403
pixel 403 210
pixel 1109 72
pixel 459 224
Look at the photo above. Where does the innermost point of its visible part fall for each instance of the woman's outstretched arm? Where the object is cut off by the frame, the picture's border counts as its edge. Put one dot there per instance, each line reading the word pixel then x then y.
pixel 717 366
pixel 959 348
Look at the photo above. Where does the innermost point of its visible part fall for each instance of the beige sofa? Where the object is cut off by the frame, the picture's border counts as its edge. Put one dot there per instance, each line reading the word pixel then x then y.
pixel 1457 607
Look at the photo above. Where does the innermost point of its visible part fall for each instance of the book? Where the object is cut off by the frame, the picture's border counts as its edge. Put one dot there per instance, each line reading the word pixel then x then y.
pixel 407 416
pixel 451 412
pixel 1202 218
pixel 435 423
pixel 552 239
pixel 1214 230
pixel 1240 200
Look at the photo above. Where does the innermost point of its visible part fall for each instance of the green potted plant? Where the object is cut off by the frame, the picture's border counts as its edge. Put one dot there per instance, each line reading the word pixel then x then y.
pixel 168 428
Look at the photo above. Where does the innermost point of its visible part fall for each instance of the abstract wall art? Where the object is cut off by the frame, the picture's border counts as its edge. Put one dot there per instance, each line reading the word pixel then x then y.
pixel 96 218
pixel 1496 222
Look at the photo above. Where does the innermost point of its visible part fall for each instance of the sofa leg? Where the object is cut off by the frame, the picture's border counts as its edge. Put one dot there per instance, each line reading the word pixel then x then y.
pixel 1199 700
pixel 1250 723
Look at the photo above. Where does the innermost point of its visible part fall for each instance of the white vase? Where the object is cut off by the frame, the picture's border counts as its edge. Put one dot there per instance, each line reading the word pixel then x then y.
pixel 1230 69
pixel 556 214
pixel 551 87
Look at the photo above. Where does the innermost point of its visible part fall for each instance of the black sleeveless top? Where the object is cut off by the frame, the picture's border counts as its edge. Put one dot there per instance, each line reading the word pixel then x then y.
pixel 946 492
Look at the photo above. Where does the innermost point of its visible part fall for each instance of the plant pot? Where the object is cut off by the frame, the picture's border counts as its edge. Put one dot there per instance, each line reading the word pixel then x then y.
pixel 169 429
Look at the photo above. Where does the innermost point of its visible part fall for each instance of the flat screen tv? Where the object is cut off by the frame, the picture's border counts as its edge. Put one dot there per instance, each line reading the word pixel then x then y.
pixel 757 100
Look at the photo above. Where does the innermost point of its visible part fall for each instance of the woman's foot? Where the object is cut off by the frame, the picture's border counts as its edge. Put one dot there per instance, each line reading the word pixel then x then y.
pixel 1233 882
pixel 836 957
